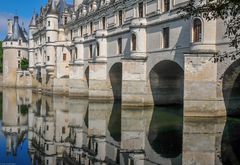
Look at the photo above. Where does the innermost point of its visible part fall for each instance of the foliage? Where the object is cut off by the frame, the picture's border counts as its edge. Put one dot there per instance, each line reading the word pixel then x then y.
pixel 1 57
pixel 24 64
pixel 227 10
pixel 1 108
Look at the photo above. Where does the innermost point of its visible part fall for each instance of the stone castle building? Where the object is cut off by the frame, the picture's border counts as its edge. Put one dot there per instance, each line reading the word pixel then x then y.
pixel 140 51
pixel 15 48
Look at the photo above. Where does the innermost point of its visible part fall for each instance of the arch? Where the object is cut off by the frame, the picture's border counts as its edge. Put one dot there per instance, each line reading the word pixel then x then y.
pixel 231 89
pixel 197 30
pixel 134 42
pixel 166 83
pixel 115 75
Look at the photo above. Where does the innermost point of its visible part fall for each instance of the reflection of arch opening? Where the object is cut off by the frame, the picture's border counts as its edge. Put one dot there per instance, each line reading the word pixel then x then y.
pixel 230 146
pixel 87 75
pixel 114 125
pixel 231 89
pixel 166 80
pixel 165 131
pixel 115 75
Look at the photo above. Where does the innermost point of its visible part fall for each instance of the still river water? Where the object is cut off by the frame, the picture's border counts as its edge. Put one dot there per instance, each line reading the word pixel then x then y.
pixel 36 129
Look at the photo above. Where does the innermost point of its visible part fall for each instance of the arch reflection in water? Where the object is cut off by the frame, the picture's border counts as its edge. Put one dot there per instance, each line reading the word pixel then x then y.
pixel 13 128
pixel 152 136
pixel 103 139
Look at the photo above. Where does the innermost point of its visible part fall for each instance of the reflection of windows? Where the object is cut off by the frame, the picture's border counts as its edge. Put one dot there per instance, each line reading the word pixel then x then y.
pixel 140 9
pixel 119 45
pixel 134 44
pixel 166 37
pixel 166 5
pixel 197 30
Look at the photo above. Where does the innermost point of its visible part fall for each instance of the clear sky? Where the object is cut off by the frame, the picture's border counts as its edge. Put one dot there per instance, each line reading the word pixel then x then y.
pixel 23 8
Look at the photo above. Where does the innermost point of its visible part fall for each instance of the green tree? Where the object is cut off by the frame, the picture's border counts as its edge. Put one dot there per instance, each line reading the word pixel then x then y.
pixel 24 64
pixel 227 10
pixel 1 57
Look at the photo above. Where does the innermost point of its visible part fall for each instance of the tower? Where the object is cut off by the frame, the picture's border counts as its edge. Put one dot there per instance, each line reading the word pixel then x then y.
pixel 15 48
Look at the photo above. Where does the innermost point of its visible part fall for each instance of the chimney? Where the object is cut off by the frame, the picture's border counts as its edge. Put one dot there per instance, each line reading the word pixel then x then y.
pixel 10 27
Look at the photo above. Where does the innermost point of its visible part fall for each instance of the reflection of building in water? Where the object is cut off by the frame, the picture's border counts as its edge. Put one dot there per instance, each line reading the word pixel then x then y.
pixel 202 140
pixel 57 129
pixel 15 117
pixel 104 136
pixel 151 136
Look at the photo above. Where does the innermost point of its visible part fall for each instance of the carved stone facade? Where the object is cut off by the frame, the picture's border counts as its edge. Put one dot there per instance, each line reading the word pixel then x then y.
pixel 139 51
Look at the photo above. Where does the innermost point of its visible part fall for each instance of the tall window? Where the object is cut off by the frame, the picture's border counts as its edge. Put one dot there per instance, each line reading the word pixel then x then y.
pixel 71 34
pixel 76 53
pixel 91 27
pixel 64 56
pixel 98 49
pixel 140 9
pixel 134 44
pixel 120 19
pixel 81 29
pixel 48 39
pixel 104 23
pixel 166 37
pixel 90 51
pixel 166 5
pixel 119 45
pixel 63 130
pixel 197 30
pixel 19 53
pixel 48 23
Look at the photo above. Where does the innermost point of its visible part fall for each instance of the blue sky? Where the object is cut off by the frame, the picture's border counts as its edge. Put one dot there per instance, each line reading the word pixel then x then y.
pixel 23 8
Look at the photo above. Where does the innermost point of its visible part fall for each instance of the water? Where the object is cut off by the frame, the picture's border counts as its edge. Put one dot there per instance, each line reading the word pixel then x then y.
pixel 36 129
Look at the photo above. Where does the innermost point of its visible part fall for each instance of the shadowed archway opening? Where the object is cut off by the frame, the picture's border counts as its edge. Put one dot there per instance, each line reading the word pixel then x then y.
pixel 166 80
pixel 115 75
pixel 87 75
pixel 231 89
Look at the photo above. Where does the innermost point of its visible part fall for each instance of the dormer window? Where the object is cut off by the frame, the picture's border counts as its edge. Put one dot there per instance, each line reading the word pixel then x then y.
pixel 20 42
pixel 65 20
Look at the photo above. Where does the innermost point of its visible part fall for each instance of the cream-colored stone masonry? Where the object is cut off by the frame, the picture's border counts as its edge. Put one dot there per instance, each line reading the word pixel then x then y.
pixel 139 51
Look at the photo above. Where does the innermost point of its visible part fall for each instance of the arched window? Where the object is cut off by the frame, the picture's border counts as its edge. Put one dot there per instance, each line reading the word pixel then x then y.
pixel 134 44
pixel 98 49
pixel 197 30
